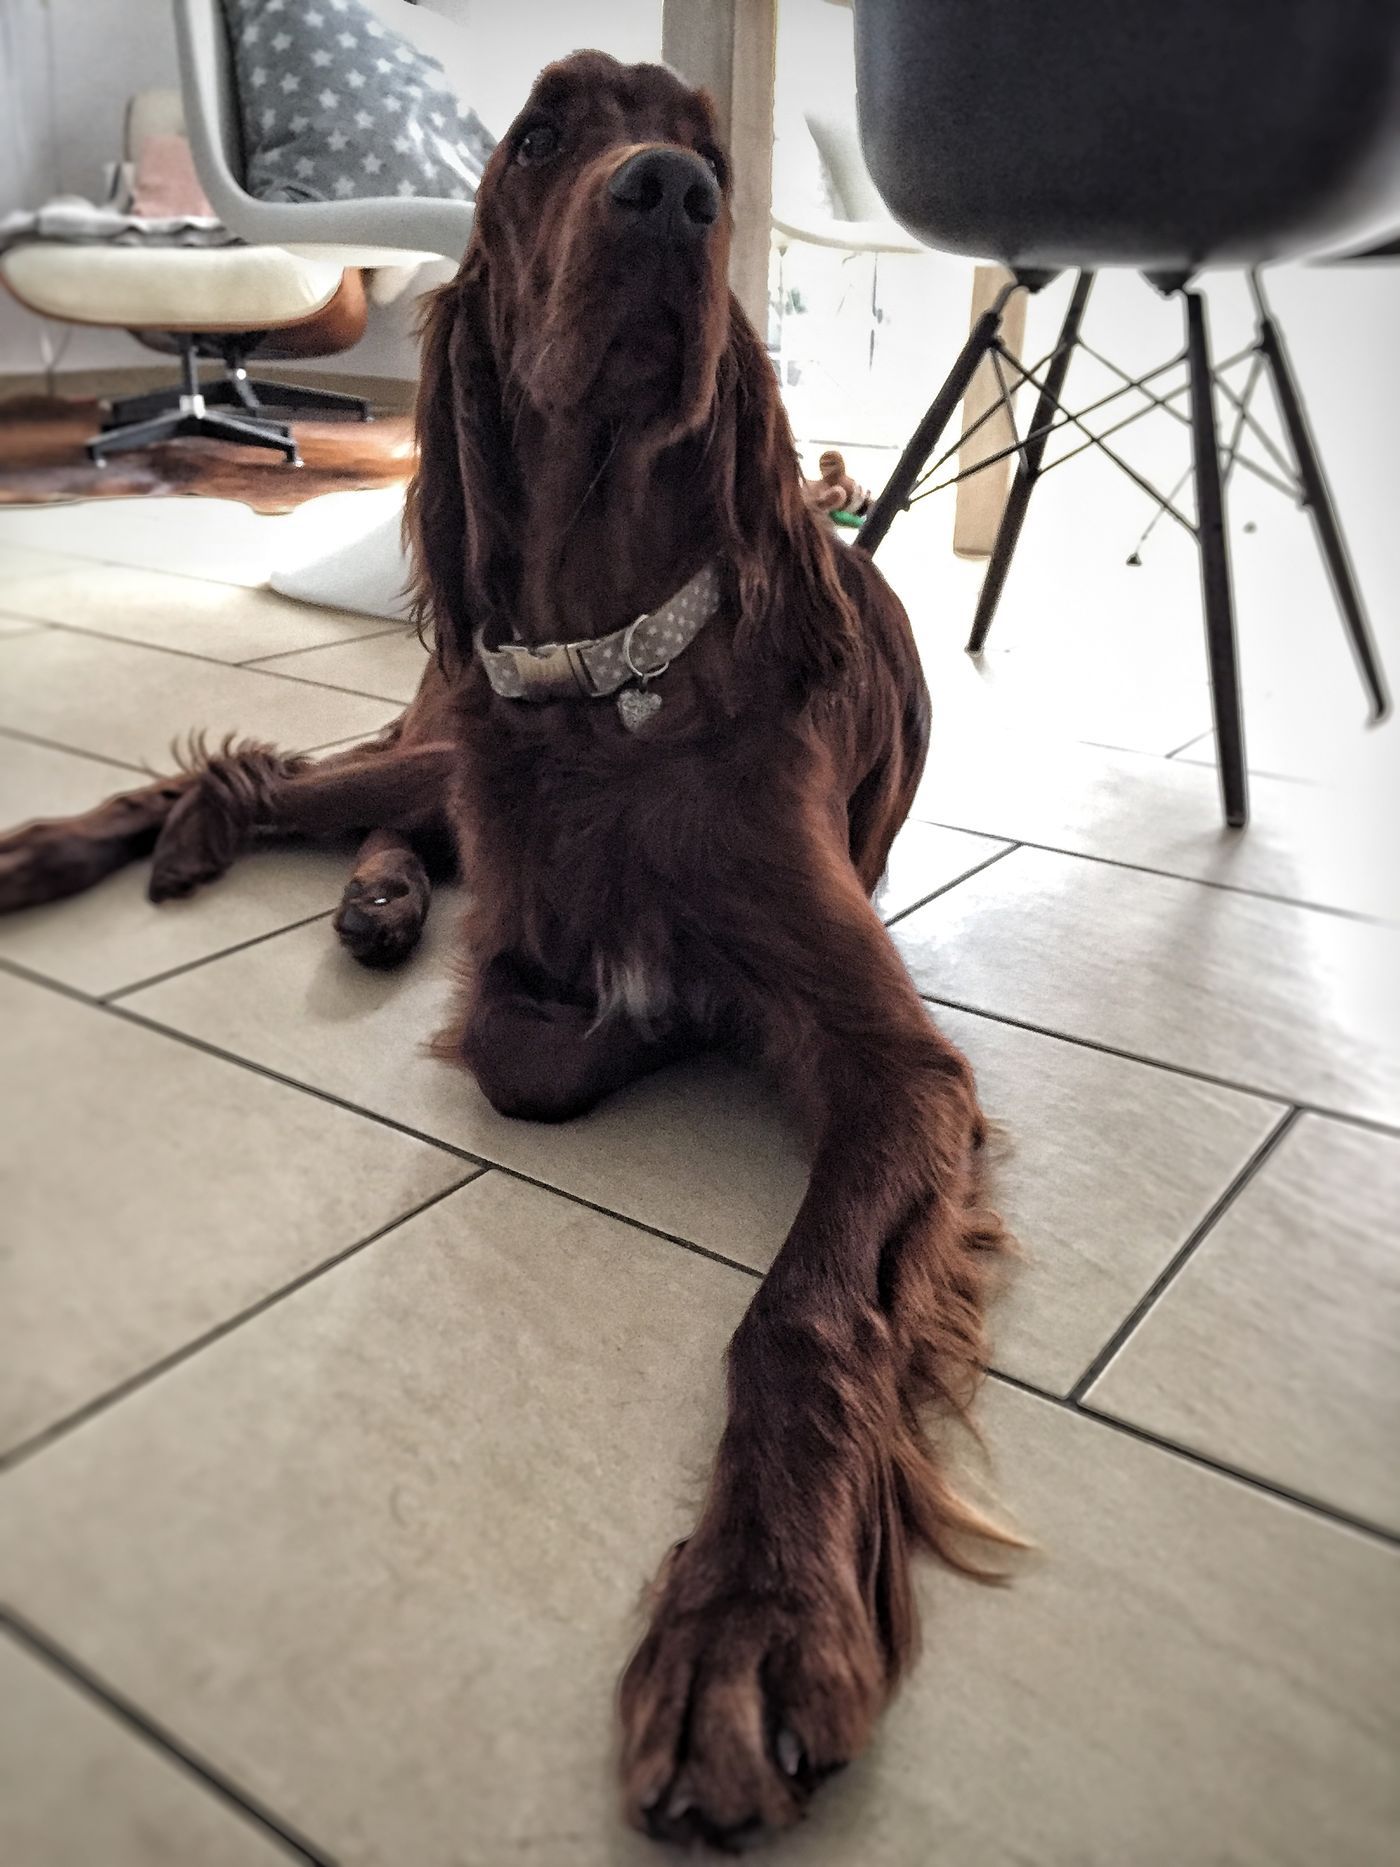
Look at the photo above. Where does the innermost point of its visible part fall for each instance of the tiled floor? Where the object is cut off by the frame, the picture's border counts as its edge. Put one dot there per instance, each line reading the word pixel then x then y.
pixel 343 1421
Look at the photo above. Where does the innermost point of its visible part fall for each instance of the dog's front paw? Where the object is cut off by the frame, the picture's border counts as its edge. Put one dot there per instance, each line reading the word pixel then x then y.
pixel 380 917
pixel 746 1693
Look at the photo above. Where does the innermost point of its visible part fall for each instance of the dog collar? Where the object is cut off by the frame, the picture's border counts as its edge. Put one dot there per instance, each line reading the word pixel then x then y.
pixel 592 669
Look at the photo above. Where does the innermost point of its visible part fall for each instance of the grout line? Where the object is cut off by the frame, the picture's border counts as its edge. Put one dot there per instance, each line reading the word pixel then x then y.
pixel 226 952
pixel 1371 1123
pixel 359 739
pixel 482 1162
pixel 58 745
pixel 17 969
pixel 1177 1263
pixel 1251 1481
pixel 1175 875
pixel 1194 740
pixel 84 561
pixel 113 1396
pixel 967 875
pixel 129 1016
pixel 131 641
pixel 625 1218
pixel 317 648
pixel 213 661
pixel 159 1738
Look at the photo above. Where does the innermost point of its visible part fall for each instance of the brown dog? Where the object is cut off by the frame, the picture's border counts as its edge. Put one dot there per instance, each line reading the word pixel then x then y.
pixel 600 430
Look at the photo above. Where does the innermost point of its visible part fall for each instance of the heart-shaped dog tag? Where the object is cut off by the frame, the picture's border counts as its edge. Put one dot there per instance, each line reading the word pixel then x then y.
pixel 636 705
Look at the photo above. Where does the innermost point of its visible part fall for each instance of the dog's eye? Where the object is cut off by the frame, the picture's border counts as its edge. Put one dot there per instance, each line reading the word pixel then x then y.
pixel 714 162
pixel 538 144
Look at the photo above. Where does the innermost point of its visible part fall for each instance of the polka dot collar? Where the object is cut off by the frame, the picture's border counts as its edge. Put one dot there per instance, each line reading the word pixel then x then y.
pixel 592 669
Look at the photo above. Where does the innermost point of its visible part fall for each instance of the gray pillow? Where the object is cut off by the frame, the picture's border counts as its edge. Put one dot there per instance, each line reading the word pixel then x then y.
pixel 336 105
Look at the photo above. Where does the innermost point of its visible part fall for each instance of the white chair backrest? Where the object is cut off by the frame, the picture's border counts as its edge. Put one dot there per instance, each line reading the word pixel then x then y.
pixel 378 232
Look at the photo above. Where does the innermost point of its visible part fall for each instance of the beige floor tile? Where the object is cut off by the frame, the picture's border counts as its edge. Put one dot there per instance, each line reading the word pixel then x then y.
pixel 130 703
pixel 18 560
pixel 77 1788
pixel 1290 1001
pixel 924 858
pixel 1111 1163
pixel 111 936
pixel 41 781
pixel 1303 843
pixel 154 1191
pixel 377 1555
pixel 699 1151
pixel 18 625
pixel 390 665
pixel 1187 1672
pixel 1277 1350
pixel 1102 1170
pixel 218 538
pixel 226 621
pixel 1363 762
pixel 439 1478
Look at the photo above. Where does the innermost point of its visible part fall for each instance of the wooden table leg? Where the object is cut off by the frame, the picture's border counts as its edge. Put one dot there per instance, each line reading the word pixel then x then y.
pixel 729 48
pixel 982 497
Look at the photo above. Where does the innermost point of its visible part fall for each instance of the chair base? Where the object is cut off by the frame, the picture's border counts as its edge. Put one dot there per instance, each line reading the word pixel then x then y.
pixel 186 411
pixel 1310 483
pixel 237 390
pixel 192 419
pixel 258 393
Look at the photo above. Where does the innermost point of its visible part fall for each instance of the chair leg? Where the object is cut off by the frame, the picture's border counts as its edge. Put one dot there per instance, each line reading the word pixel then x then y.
pixel 128 408
pixel 301 395
pixel 895 497
pixel 234 391
pixel 1028 466
pixel 1217 599
pixel 135 434
pixel 1317 496
pixel 178 424
pixel 247 433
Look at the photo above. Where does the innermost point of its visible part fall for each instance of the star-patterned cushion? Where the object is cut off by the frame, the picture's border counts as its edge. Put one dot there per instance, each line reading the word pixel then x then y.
pixel 336 105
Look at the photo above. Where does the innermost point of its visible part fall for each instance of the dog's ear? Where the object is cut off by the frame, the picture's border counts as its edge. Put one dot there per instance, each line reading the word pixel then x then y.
pixel 459 515
pixel 793 605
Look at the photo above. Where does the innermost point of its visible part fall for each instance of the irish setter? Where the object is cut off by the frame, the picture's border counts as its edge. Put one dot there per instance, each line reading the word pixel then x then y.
pixel 598 423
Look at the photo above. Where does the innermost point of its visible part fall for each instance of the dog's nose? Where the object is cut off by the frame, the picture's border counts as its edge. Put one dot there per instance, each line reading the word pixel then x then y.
pixel 670 193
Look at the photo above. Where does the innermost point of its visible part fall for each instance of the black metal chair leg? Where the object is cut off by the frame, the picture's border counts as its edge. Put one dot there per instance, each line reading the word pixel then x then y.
pixel 1214 547
pixel 251 434
pixel 1317 496
pixel 162 427
pixel 901 482
pixel 1018 497
pixel 267 393
pixel 128 408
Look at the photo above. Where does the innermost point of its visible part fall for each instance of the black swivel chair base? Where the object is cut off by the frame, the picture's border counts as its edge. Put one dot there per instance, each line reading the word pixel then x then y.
pixel 189 411
pixel 252 395
pixel 197 422
pixel 1209 529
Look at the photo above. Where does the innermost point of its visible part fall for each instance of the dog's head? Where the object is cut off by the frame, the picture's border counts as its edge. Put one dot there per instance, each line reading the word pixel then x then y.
pixel 593 301
pixel 603 225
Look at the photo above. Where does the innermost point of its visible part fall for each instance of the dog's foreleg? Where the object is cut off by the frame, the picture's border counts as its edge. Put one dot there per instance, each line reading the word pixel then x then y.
pixel 780 1627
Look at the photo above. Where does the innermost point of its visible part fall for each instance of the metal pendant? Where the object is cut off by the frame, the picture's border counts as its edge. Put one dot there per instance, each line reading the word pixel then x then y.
pixel 636 705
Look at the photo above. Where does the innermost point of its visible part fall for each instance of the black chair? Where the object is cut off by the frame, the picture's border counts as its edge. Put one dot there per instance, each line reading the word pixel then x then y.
pixel 1160 137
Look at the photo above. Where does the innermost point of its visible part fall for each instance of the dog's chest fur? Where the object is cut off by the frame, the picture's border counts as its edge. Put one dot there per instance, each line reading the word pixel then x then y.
pixel 592 864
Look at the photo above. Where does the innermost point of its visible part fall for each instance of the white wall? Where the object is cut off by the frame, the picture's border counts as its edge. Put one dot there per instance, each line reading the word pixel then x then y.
pixel 67 68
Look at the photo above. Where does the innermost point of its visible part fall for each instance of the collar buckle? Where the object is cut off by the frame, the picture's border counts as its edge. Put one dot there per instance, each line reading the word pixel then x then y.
pixel 557 672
